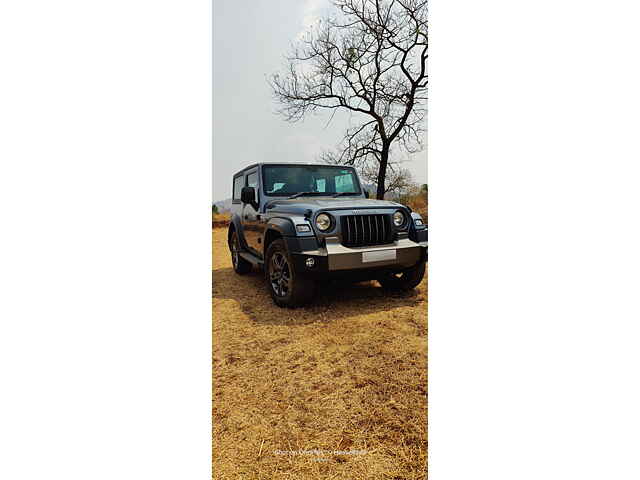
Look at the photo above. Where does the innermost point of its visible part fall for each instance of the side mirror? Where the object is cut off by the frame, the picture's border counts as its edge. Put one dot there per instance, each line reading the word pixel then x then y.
pixel 366 194
pixel 248 195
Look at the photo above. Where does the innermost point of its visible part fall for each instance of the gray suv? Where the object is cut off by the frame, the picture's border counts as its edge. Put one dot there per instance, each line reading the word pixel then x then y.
pixel 305 222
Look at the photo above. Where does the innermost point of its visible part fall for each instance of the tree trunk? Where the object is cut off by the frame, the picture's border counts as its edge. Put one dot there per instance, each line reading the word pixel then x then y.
pixel 382 173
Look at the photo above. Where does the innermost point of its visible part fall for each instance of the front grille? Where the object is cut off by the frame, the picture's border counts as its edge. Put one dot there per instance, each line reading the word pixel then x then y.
pixel 363 230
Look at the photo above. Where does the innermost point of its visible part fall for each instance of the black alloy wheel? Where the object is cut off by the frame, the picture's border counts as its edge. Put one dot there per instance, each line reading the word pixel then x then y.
pixel 288 287
pixel 280 275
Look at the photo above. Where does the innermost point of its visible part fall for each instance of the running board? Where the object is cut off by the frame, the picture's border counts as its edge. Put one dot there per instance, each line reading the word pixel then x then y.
pixel 250 257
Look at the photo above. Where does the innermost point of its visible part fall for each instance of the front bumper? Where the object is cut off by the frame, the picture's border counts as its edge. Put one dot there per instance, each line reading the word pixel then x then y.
pixel 334 257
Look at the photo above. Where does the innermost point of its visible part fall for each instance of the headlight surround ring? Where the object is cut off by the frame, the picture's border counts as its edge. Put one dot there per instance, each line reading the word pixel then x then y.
pixel 399 219
pixel 324 222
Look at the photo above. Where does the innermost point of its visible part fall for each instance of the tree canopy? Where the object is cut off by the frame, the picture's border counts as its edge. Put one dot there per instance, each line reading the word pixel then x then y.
pixel 369 59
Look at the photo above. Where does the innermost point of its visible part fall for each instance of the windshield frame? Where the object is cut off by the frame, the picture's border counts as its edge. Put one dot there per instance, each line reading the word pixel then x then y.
pixel 263 182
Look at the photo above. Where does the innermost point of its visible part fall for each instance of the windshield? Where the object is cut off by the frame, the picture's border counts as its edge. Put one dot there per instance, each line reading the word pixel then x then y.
pixel 314 180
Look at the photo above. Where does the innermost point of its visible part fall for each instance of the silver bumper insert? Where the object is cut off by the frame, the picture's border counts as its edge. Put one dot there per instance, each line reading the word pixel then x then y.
pixel 403 253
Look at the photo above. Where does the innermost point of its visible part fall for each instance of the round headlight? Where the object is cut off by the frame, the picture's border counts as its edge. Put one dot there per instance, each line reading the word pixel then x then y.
pixel 323 222
pixel 398 218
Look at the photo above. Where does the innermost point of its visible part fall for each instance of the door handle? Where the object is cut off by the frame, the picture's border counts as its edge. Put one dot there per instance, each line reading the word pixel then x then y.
pixel 246 217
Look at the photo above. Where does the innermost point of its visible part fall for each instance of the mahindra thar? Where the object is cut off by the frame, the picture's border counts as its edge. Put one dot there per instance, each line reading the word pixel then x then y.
pixel 305 222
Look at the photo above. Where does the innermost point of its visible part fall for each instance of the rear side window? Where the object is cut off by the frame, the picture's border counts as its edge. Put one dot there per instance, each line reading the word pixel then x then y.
pixel 238 183
pixel 252 180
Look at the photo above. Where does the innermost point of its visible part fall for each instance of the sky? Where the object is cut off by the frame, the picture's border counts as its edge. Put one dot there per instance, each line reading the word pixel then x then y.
pixel 250 41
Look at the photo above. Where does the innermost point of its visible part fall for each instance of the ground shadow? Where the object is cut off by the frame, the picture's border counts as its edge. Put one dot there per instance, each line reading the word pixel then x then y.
pixel 333 301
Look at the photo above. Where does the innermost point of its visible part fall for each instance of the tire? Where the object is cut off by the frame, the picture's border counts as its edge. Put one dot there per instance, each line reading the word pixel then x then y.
pixel 240 265
pixel 403 280
pixel 287 287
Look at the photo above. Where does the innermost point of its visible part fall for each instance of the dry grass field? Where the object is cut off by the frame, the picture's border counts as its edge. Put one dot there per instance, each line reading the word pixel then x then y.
pixel 337 390
pixel 220 220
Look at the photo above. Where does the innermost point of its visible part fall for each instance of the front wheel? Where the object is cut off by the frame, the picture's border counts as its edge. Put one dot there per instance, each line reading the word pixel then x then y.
pixel 403 280
pixel 287 287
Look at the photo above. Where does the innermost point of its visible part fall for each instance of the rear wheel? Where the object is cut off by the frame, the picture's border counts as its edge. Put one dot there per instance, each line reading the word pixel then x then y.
pixel 287 287
pixel 404 279
pixel 240 265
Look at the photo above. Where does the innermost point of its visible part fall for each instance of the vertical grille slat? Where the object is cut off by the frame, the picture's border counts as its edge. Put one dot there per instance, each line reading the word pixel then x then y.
pixel 355 230
pixel 374 229
pixel 363 230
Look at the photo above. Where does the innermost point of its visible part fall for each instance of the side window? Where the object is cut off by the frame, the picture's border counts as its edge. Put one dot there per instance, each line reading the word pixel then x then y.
pixel 238 183
pixel 252 180
pixel 344 183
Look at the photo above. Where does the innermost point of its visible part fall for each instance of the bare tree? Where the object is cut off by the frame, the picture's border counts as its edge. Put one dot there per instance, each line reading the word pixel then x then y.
pixel 397 179
pixel 369 60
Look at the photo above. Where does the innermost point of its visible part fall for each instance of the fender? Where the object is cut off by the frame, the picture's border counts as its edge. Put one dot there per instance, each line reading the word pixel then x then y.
pixel 296 241
pixel 284 226
pixel 237 223
pixel 417 234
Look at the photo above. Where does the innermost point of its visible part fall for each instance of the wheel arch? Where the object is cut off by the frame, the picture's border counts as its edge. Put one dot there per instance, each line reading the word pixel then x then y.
pixel 230 230
pixel 234 227
pixel 270 235
pixel 277 227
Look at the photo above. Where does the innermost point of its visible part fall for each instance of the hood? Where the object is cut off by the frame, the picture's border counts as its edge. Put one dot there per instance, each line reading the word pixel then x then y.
pixel 301 204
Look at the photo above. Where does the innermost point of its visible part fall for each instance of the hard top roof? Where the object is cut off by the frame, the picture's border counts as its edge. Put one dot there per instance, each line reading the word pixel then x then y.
pixel 307 164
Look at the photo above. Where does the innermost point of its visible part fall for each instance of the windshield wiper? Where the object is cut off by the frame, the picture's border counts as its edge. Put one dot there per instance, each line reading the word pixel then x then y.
pixel 299 194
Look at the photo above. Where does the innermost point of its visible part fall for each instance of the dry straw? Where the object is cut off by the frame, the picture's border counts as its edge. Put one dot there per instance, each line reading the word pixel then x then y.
pixel 343 375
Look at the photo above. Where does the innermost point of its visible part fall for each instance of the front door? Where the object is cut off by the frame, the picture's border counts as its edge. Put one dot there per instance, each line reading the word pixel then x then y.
pixel 251 217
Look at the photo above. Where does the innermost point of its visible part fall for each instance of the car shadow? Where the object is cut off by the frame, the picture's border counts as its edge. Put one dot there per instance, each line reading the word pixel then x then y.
pixel 333 301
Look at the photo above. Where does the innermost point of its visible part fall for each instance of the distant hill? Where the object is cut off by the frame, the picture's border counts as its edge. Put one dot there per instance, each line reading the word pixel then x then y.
pixel 223 205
